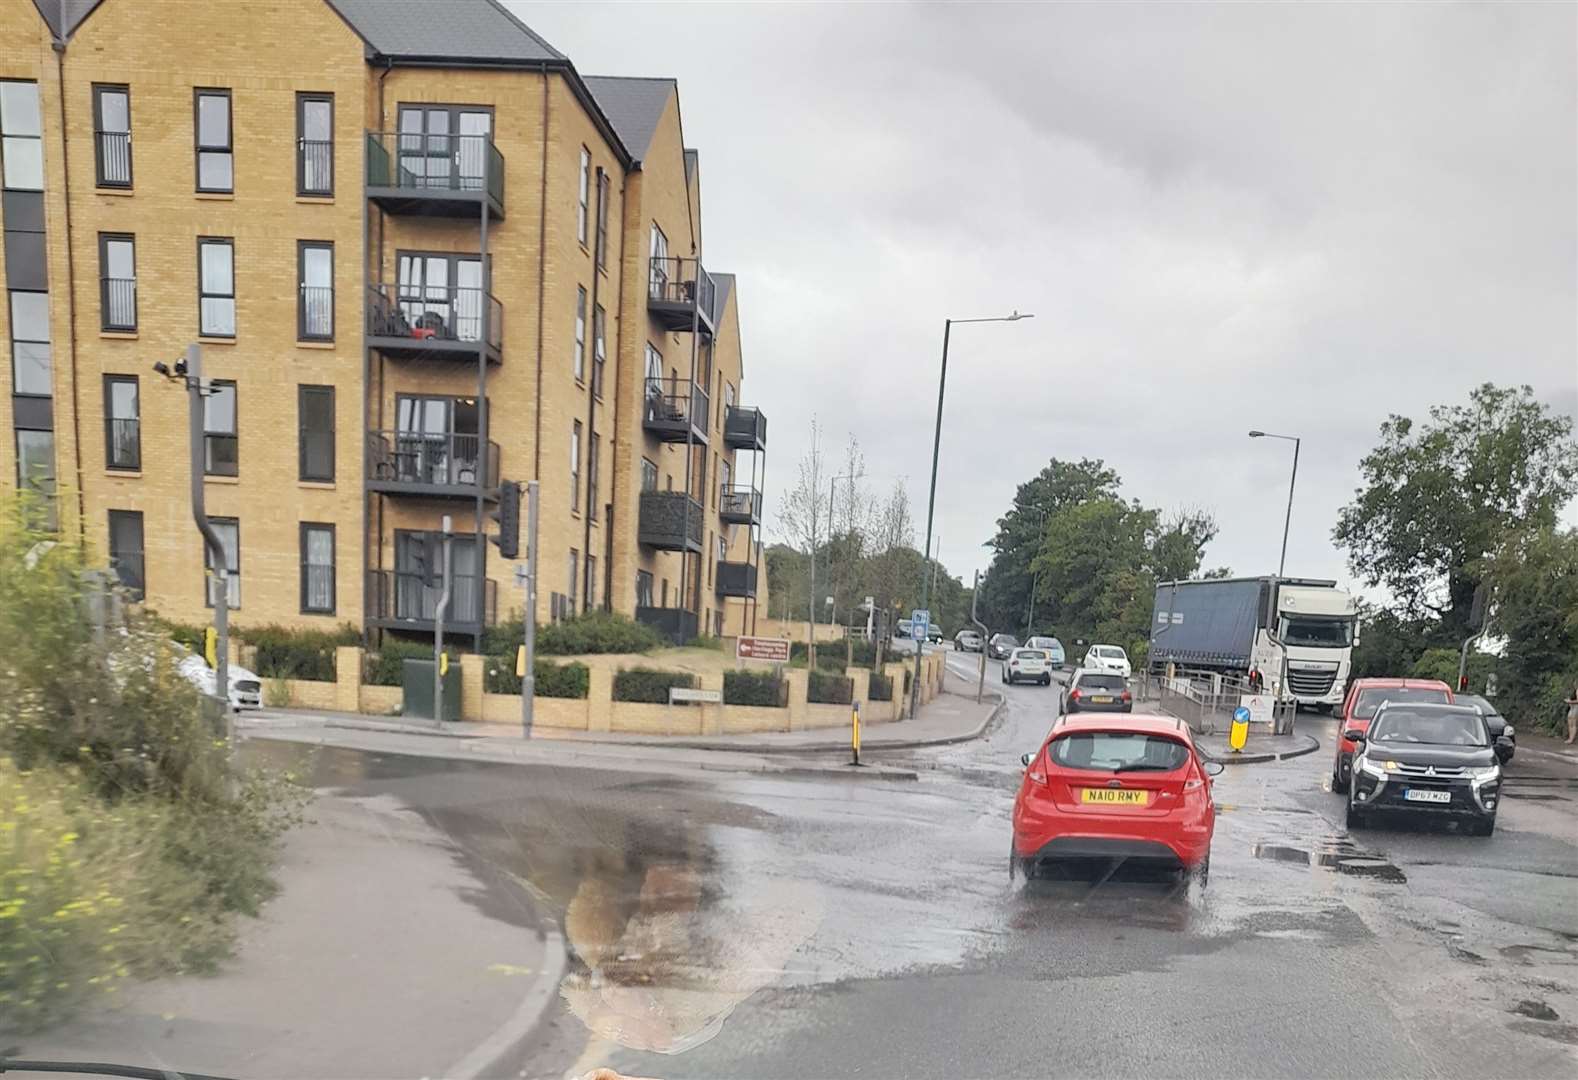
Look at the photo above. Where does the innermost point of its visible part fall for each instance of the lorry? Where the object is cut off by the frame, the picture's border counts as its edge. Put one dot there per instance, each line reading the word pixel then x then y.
pixel 1299 633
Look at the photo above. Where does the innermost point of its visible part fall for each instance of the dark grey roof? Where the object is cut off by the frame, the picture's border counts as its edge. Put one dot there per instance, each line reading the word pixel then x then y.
pixel 76 11
pixel 725 284
pixel 474 30
pixel 633 105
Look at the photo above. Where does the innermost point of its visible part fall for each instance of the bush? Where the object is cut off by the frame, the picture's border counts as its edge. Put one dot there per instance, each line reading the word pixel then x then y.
pixel 824 689
pixel 649 684
pixel 765 688
pixel 283 653
pixel 881 687
pixel 385 667
pixel 592 633
pixel 706 641
pixel 193 637
pixel 572 680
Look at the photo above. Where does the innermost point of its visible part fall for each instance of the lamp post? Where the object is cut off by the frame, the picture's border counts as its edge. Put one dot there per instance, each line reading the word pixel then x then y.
pixel 931 496
pixel 1287 521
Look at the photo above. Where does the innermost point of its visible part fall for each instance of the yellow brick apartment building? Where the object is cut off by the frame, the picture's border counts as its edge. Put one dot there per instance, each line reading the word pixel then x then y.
pixel 422 255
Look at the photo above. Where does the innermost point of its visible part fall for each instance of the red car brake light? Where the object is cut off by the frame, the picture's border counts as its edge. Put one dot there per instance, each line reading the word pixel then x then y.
pixel 1074 694
pixel 1127 697
pixel 1038 769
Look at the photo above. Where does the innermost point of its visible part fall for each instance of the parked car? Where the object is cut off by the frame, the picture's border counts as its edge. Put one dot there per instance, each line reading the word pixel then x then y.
pixel 1358 708
pixel 1503 736
pixel 1096 691
pixel 934 634
pixel 1107 658
pixel 246 689
pixel 902 628
pixel 1109 787
pixel 998 646
pixel 1423 758
pixel 1027 665
pixel 967 641
pixel 1051 646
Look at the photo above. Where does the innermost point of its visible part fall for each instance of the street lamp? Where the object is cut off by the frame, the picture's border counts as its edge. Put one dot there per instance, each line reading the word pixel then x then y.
pixel 1282 566
pixel 931 497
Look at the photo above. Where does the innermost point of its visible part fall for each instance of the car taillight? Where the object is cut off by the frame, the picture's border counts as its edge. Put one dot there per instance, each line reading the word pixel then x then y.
pixel 1127 697
pixel 1191 785
pixel 1038 772
pixel 1073 695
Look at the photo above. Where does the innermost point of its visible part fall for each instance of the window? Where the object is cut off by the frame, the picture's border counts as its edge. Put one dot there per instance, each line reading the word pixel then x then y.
pixel 229 530
pixel 117 282
pixel 122 423
pixel 648 475
pixel 658 283
pixel 215 160
pixel 709 561
pixel 643 588
pixel 30 361
pixel 719 474
pixel 315 144
pixel 602 220
pixel 575 466
pixel 579 365
pixel 112 136
pixel 216 287
pixel 126 551
pixel 445 146
pixel 35 463
pixel 315 304
pixel 591 581
pixel 599 349
pixel 654 370
pixel 575 573
pixel 317 569
pixel 728 401
pixel 444 294
pixel 585 190
pixel 725 478
pixel 593 452
pixel 220 447
pixel 315 418
pixel 21 138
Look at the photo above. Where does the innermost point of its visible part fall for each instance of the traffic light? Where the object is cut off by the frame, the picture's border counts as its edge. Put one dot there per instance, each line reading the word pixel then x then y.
pixel 508 515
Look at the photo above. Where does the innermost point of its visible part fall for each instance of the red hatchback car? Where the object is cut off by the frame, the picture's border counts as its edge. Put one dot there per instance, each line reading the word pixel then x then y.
pixel 1358 709
pixel 1116 787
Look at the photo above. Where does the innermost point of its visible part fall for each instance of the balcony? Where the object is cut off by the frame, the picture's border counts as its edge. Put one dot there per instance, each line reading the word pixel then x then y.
pixel 670 521
pixel 680 294
pixel 676 410
pixel 432 322
pixel 744 429
pixel 675 624
pixel 442 176
pixel 398 600
pixel 736 579
pixel 740 505
pixel 432 466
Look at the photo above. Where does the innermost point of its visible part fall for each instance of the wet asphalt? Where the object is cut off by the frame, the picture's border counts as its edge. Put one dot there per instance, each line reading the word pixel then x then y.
pixel 734 925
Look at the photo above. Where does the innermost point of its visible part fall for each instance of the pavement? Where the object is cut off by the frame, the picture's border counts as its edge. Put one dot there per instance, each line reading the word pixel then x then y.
pixel 1260 747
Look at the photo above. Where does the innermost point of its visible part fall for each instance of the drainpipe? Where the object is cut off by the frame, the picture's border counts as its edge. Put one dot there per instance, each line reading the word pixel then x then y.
pixel 542 277
pixel 59 45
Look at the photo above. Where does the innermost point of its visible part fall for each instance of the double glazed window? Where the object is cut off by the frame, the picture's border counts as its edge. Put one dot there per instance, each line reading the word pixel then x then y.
pixel 315 305
pixel 229 530
pixel 122 423
pixel 593 452
pixel 579 365
pixel 317 568
pixel 21 138
pixel 112 155
pixel 30 362
pixel 216 287
pixel 444 146
pixel 648 475
pixel 643 588
pixel 575 466
pixel 602 220
pixel 315 144
pixel 441 296
pixel 117 282
pixel 599 348
pixel 584 191
pixel 126 551
pixel 221 448
pixel 215 149
pixel 315 418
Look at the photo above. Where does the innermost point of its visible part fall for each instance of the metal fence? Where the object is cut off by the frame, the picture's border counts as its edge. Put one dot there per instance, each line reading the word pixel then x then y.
pixel 1206 700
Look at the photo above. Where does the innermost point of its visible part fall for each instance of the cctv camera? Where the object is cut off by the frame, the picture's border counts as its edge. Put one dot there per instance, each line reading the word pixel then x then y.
pixel 162 368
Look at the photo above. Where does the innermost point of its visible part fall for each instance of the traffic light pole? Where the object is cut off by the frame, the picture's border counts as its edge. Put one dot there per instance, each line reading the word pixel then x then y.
pixel 529 617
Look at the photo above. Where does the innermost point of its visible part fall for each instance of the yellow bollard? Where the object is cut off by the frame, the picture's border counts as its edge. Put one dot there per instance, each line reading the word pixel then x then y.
pixel 854 732
pixel 1238 734
pixel 211 647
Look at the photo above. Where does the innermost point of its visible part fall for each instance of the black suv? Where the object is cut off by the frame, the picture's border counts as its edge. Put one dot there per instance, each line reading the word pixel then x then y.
pixel 1097 691
pixel 1426 759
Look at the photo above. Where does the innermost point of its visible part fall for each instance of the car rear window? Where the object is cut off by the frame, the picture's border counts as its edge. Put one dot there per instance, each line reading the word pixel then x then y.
pixel 1370 699
pixel 1118 751
pixel 1029 654
pixel 1436 727
pixel 1093 681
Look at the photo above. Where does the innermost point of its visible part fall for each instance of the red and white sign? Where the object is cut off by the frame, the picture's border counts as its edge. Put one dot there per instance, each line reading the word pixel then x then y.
pixel 775 649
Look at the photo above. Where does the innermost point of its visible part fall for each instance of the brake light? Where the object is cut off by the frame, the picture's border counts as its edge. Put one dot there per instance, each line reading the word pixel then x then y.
pixel 1038 772
pixel 1073 694
pixel 1192 784
pixel 1127 696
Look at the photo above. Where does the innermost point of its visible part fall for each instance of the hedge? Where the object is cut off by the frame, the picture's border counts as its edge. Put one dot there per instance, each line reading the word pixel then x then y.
pixel 825 689
pixel 283 653
pixel 553 680
pixel 881 688
pixel 649 684
pixel 764 688
pixel 385 667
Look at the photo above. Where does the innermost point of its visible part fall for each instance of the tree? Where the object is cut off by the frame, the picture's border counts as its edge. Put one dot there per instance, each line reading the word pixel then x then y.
pixel 1534 579
pixel 804 512
pixel 1180 541
pixel 1439 498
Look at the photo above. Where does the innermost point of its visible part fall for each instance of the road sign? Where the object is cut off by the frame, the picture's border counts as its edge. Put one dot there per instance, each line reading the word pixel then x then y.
pixel 681 694
pixel 920 624
pixel 762 648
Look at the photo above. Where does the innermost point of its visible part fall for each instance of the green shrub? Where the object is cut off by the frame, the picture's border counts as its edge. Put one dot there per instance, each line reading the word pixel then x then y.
pixel 385 667
pixel 649 684
pixel 571 680
pixel 881 687
pixel 765 688
pixel 284 653
pixel 825 689
pixel 706 641
pixel 595 632
pixel 193 637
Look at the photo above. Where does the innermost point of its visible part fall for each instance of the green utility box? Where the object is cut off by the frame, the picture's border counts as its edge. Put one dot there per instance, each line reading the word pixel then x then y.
pixel 416 678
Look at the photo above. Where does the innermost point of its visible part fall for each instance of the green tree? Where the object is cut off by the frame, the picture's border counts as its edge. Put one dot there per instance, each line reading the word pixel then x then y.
pixel 1439 498
pixel 1534 579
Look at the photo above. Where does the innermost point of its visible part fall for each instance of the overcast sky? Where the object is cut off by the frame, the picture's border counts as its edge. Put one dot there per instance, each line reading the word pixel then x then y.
pixel 1297 218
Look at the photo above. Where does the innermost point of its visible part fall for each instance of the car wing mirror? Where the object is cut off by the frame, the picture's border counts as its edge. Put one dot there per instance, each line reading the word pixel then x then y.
pixel 1024 759
pixel 1353 735
pixel 1213 768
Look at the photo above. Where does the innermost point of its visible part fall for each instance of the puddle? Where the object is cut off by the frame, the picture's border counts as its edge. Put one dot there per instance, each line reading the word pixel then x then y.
pixel 1335 853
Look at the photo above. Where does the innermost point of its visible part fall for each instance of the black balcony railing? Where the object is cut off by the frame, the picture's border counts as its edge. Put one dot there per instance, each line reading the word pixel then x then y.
pixel 315 313
pixel 677 289
pixel 676 624
pixel 669 521
pixel 418 319
pixel 114 160
pixel 740 505
pixel 222 455
pixel 122 443
pixel 431 464
pixel 118 303
pixel 315 167
pixel 676 409
pixel 736 579
pixel 744 428
pixel 441 175
pixel 400 599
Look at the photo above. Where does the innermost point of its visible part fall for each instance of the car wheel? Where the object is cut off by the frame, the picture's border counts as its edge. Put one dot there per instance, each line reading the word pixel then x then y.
pixel 1355 819
pixel 1338 784
pixel 1484 826
pixel 1202 872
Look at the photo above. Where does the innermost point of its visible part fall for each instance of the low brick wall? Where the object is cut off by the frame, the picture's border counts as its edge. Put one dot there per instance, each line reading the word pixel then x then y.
pixel 308 693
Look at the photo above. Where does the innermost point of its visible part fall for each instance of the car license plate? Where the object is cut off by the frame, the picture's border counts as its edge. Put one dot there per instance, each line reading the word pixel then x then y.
pixel 1426 795
pixel 1101 700
pixel 1115 796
